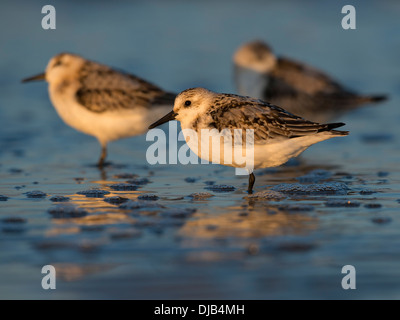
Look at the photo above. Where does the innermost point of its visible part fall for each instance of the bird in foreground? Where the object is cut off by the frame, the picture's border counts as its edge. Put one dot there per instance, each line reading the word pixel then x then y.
pixel 277 134
pixel 300 88
pixel 100 101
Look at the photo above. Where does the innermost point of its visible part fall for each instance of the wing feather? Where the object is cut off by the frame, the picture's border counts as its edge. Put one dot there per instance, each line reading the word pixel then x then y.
pixel 105 89
pixel 268 121
pixel 303 77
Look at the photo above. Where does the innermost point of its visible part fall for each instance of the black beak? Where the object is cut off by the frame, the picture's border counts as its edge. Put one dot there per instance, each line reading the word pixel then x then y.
pixel 41 76
pixel 168 117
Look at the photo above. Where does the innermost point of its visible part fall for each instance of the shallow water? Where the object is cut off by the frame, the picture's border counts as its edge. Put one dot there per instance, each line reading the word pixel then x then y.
pixel 227 246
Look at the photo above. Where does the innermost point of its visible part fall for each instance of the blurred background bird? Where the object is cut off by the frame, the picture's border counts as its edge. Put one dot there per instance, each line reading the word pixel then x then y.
pixel 100 101
pixel 297 87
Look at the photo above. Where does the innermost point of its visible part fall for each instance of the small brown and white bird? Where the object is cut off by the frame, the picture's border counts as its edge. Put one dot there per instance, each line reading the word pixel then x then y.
pixel 300 88
pixel 100 101
pixel 275 134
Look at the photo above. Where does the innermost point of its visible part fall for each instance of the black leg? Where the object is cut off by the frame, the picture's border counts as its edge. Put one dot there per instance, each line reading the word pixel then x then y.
pixel 102 157
pixel 252 179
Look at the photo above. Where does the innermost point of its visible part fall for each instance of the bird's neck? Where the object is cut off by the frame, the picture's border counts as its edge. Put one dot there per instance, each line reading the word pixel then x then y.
pixel 250 83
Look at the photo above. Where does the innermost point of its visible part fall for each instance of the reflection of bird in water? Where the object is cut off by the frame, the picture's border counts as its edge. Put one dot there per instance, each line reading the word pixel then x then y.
pixel 297 87
pixel 260 221
pixel 100 101
pixel 93 208
pixel 76 271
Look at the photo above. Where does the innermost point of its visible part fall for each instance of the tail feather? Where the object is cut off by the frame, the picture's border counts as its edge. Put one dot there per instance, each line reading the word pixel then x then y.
pixel 376 98
pixel 339 132
pixel 330 126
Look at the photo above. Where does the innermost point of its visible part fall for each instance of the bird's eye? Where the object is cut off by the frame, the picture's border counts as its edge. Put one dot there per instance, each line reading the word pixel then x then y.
pixel 188 103
pixel 58 63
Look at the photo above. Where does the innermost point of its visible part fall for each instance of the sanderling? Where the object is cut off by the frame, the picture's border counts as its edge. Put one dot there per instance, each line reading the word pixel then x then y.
pixel 277 134
pixel 100 101
pixel 301 89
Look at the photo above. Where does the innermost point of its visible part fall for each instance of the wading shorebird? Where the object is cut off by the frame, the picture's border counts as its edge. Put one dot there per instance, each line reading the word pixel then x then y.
pixel 277 135
pixel 301 89
pixel 100 101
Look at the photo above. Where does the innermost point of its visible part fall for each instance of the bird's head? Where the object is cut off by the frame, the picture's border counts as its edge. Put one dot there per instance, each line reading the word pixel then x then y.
pixel 59 68
pixel 256 56
pixel 188 106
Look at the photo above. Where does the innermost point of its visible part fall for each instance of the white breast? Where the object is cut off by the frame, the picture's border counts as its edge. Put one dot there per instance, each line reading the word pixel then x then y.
pixel 216 149
pixel 250 83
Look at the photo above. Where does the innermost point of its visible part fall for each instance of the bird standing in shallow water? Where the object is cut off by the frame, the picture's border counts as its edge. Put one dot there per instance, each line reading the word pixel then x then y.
pixel 277 134
pixel 100 101
pixel 301 89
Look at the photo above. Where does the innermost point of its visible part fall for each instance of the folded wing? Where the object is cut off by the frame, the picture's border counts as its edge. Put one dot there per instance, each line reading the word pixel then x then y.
pixel 268 121
pixel 105 89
